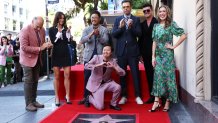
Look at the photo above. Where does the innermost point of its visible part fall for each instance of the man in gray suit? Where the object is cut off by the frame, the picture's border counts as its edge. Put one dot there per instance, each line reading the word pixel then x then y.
pixel 100 80
pixel 94 37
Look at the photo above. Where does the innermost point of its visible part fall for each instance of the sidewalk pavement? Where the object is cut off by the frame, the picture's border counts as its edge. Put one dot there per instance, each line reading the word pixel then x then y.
pixel 12 103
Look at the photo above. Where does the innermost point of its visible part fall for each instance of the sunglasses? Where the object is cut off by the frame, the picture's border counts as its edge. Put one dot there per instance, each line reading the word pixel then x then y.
pixel 146 11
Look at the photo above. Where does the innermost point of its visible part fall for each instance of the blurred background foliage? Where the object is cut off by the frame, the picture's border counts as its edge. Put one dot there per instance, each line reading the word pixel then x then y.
pixel 87 6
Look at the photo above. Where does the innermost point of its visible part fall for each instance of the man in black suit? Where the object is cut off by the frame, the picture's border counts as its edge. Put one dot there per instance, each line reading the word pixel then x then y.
pixel 126 30
pixel 145 44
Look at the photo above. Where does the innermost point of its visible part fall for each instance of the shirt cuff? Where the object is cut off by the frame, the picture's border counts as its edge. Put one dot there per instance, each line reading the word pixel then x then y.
pixel 68 35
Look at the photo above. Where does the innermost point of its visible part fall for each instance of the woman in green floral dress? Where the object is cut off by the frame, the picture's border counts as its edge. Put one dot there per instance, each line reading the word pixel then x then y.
pixel 163 58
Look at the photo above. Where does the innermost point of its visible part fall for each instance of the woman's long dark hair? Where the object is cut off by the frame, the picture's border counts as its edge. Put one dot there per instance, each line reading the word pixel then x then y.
pixel 169 17
pixel 57 17
pixel 4 38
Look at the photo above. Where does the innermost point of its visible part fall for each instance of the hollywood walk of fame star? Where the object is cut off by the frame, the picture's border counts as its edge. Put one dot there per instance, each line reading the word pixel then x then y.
pixel 105 119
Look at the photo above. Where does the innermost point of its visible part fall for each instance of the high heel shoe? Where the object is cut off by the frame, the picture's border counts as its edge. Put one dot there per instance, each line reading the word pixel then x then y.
pixel 68 101
pixel 156 108
pixel 57 103
pixel 167 109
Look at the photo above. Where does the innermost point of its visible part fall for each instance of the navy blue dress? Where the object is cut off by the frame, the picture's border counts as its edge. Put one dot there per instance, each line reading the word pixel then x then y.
pixel 60 52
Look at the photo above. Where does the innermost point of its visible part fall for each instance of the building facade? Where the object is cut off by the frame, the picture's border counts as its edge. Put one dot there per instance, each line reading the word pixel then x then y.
pixel 14 14
pixel 197 57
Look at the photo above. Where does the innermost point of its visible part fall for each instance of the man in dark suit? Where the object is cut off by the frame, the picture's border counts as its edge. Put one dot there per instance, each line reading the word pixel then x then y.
pixel 145 44
pixel 126 30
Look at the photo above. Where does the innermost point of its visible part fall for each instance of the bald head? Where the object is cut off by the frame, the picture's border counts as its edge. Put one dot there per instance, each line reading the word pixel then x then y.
pixel 37 22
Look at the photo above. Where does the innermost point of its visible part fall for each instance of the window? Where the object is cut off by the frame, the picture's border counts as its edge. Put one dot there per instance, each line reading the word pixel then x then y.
pixel 21 25
pixel 5 8
pixel 14 25
pixel 13 10
pixel 7 21
pixel 21 11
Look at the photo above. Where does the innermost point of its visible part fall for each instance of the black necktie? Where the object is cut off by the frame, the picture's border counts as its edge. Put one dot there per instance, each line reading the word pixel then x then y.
pixel 104 69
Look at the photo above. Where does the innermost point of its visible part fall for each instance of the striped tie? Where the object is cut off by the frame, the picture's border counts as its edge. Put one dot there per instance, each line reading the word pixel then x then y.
pixel 126 20
pixel 38 37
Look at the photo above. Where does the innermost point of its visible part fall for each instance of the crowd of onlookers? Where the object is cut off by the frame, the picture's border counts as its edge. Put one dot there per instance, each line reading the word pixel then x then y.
pixel 10 68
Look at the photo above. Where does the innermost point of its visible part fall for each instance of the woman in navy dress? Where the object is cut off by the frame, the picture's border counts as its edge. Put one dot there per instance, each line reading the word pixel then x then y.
pixel 59 35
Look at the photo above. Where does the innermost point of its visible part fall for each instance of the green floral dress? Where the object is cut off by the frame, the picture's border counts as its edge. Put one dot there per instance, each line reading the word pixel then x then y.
pixel 164 84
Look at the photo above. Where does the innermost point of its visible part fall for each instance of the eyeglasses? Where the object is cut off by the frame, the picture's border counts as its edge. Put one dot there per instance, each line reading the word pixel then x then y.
pixel 146 11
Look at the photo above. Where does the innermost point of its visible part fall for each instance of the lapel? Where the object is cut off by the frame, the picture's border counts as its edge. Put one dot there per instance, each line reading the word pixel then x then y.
pixel 150 27
pixel 152 22
pixel 146 25
pixel 131 17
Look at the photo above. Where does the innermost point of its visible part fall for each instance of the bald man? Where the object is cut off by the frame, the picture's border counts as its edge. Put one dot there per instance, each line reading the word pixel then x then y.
pixel 32 43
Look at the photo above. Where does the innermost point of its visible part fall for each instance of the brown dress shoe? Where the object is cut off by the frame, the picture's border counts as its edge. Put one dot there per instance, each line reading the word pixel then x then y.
pixel 31 107
pixel 38 105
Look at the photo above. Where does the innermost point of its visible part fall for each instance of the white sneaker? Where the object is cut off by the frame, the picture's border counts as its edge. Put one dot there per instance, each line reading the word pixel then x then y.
pixel 123 100
pixel 138 100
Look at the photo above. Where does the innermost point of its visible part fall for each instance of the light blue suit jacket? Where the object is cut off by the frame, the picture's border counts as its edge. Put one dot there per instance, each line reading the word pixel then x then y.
pixel 90 42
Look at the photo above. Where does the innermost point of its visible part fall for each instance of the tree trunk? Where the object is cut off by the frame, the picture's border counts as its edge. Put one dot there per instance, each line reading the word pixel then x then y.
pixel 95 4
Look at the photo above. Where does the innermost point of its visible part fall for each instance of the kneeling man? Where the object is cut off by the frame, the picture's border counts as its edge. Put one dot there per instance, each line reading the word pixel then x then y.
pixel 100 79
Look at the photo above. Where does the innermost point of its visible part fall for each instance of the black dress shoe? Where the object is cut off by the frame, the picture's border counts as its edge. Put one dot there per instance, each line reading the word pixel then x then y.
pixel 86 103
pixel 115 107
pixel 82 101
pixel 150 100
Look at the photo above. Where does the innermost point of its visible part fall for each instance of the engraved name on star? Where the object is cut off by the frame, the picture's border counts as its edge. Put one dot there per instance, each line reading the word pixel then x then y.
pixel 106 119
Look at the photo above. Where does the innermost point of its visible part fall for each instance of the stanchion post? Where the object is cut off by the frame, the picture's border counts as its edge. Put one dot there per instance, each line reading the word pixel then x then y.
pixel 47 26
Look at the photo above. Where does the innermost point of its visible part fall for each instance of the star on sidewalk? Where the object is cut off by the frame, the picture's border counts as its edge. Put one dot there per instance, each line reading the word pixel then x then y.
pixel 105 119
